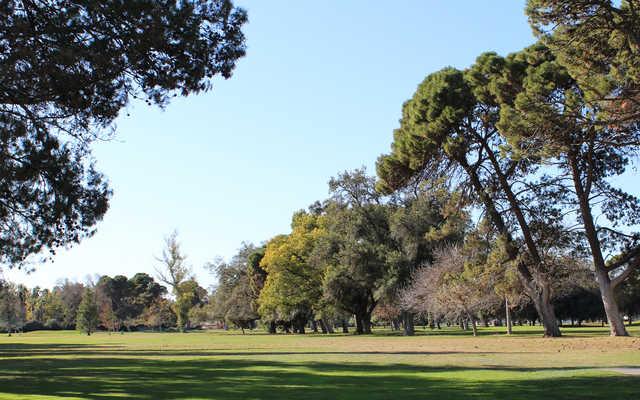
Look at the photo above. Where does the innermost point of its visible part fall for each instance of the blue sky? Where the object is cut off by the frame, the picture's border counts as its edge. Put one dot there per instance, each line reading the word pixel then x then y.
pixel 319 92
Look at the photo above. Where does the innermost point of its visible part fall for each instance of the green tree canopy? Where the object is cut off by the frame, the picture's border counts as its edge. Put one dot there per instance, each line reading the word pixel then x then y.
pixel 68 68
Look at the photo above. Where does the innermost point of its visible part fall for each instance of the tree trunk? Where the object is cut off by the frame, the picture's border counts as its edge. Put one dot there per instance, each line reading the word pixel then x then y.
pixel 541 297
pixel 395 325
pixel 508 316
pixel 323 326
pixel 359 327
pixel 314 326
pixel 366 323
pixel 409 329
pixel 614 316
pixel 474 328
pixel 327 324
pixel 547 315
pixel 616 324
pixel 345 326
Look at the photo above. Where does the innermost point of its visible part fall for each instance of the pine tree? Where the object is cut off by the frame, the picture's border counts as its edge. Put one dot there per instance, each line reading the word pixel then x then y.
pixel 87 318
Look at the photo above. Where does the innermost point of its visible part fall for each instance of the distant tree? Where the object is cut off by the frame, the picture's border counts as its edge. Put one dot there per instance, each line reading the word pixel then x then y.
pixel 87 320
pixel 70 295
pixel 12 308
pixel 452 286
pixel 628 296
pixel 68 68
pixel 257 275
pixel 117 291
pixel 354 251
pixel 35 305
pixel 54 310
pixel 293 287
pixel 420 222
pixel 240 281
pixel 189 295
pixel 160 314
pixel 174 272
pixel 144 291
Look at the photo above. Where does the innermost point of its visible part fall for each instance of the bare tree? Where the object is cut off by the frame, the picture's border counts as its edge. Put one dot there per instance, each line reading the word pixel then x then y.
pixel 173 269
pixel 450 287
pixel 174 272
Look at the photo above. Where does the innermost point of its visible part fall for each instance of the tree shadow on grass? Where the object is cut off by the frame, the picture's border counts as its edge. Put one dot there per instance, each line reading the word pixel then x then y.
pixel 21 350
pixel 233 378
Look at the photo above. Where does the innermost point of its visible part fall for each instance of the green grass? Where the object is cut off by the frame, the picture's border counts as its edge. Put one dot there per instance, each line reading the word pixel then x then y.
pixel 228 365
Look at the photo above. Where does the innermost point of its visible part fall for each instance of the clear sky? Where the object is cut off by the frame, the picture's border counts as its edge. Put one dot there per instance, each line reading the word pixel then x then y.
pixel 319 92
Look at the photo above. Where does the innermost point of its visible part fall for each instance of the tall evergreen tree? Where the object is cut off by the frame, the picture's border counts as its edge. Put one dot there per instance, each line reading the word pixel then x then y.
pixel 87 319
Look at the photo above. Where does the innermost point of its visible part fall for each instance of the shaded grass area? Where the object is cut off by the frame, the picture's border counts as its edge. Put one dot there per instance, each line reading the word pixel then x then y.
pixel 214 365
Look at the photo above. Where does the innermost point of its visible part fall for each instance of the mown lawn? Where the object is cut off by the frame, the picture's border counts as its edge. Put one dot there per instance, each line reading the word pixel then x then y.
pixel 228 365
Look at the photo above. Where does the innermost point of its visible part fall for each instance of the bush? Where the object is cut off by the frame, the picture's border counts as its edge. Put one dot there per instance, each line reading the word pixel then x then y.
pixel 31 326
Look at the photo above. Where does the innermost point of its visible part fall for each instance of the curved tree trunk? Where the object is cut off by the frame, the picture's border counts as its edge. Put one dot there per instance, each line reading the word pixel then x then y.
pixel 540 296
pixel 616 323
pixel 614 316
pixel 547 316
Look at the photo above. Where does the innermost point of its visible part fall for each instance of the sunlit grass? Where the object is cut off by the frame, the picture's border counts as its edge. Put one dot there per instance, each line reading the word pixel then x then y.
pixel 447 364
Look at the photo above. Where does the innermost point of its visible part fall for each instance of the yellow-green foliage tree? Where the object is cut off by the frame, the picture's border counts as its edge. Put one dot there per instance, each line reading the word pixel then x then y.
pixel 293 287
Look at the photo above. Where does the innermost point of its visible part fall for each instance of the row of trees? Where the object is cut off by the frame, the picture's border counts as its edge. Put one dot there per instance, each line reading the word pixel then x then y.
pixel 112 303
pixel 529 144
pixel 535 140
pixel 413 256
pixel 501 176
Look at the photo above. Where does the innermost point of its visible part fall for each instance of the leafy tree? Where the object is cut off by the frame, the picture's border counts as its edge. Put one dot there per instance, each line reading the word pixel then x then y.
pixel 628 296
pixel 69 67
pixel 550 119
pixel 70 295
pixel 144 291
pixel 354 251
pixel 35 307
pixel 293 287
pixel 159 314
pixel 189 294
pixel 598 41
pixel 234 298
pixel 12 308
pixel 448 131
pixel 54 312
pixel 118 292
pixel 87 320
pixel 257 275
pixel 421 222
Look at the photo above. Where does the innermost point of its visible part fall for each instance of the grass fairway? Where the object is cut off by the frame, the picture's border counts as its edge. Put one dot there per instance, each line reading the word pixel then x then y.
pixel 218 365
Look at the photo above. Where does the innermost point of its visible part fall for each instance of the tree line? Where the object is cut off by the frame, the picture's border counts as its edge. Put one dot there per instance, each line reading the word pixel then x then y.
pixel 499 191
